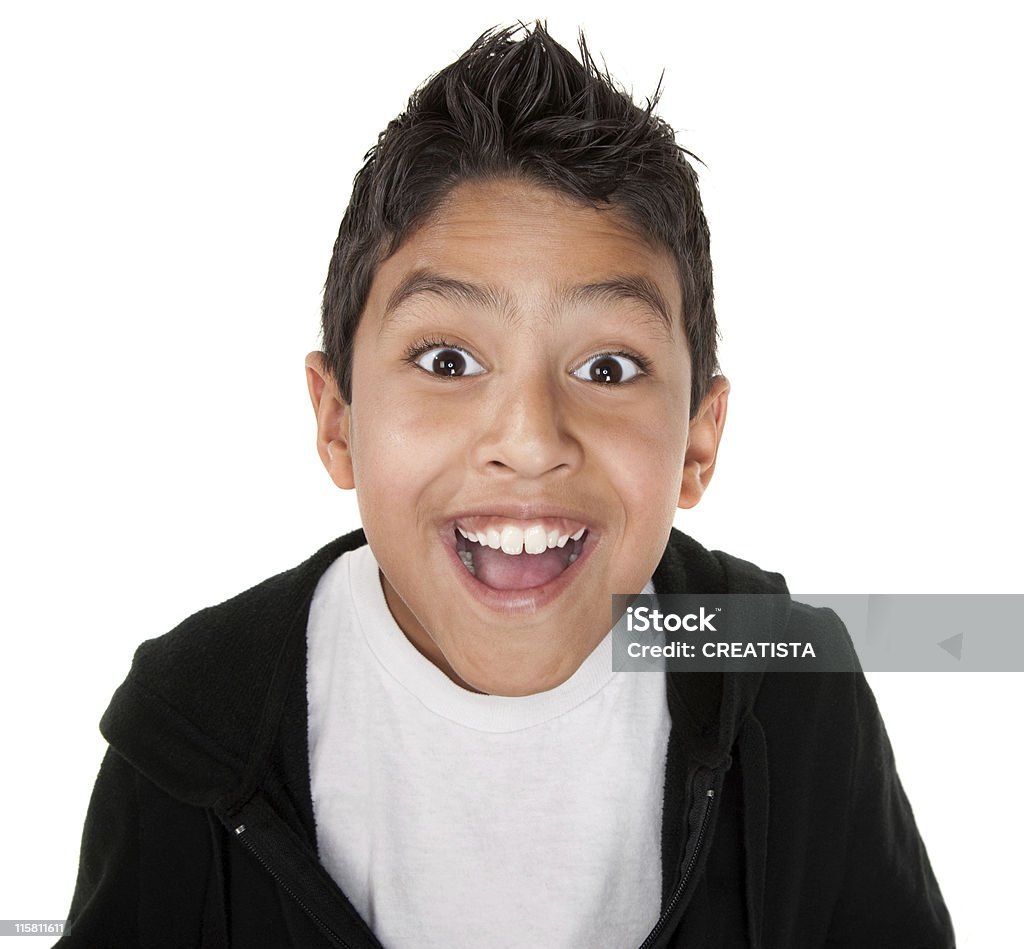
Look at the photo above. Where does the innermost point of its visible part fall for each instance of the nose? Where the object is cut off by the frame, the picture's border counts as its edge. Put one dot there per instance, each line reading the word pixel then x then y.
pixel 528 430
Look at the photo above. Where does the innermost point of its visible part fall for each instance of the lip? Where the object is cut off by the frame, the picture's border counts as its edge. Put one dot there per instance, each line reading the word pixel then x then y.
pixel 534 599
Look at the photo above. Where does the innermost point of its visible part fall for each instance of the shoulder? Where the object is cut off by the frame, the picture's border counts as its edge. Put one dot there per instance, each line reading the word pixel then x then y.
pixel 687 566
pixel 195 698
pixel 242 633
pixel 812 715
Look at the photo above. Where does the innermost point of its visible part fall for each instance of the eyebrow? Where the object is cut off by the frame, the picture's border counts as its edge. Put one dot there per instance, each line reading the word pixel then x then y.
pixel 627 287
pixel 428 281
pixel 631 288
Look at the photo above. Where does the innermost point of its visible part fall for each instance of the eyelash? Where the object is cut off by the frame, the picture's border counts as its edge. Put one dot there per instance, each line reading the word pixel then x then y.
pixel 642 364
pixel 416 350
pixel 413 352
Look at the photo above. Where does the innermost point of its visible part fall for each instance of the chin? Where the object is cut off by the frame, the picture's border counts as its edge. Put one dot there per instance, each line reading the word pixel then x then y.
pixel 512 678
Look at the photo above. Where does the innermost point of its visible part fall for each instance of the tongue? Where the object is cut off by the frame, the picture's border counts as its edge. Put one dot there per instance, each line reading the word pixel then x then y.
pixel 501 571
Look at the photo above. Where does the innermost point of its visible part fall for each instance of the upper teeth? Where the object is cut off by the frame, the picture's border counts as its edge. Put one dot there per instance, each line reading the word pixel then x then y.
pixel 514 540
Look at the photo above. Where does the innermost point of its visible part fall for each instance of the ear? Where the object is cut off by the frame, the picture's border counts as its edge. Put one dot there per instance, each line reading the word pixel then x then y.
pixel 702 445
pixel 333 419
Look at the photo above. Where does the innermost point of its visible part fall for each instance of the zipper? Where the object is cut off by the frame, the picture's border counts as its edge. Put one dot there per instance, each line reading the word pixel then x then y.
pixel 709 799
pixel 240 833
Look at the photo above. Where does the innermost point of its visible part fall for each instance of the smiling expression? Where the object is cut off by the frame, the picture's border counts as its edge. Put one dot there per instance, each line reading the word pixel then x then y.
pixel 518 433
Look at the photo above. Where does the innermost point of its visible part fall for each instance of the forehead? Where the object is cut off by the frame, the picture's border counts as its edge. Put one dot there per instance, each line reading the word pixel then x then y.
pixel 524 246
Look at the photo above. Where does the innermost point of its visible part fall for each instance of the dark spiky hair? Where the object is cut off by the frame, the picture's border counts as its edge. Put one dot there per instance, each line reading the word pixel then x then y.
pixel 518 105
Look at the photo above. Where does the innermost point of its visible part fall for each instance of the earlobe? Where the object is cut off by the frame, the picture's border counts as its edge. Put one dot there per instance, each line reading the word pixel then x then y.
pixel 702 445
pixel 333 421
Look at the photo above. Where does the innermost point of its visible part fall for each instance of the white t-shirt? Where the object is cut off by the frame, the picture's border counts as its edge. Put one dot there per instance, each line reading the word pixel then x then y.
pixel 452 819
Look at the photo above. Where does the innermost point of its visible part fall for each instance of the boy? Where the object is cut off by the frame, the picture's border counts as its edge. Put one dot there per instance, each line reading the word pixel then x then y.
pixel 415 738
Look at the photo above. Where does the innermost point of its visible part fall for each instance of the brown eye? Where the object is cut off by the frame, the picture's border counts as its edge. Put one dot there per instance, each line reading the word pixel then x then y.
pixel 608 368
pixel 448 361
pixel 605 370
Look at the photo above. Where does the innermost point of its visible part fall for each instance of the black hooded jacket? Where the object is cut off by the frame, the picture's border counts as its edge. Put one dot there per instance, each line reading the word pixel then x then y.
pixel 784 822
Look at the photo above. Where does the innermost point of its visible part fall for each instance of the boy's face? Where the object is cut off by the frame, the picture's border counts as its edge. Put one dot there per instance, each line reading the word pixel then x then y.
pixel 479 408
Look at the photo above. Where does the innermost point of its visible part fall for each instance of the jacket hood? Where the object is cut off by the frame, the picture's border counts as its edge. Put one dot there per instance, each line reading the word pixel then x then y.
pixel 202 706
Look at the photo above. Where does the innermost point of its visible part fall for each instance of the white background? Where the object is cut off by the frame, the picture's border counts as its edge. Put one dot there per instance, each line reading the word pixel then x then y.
pixel 172 180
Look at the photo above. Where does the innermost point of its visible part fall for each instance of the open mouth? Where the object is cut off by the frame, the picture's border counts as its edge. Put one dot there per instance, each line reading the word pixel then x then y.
pixel 518 556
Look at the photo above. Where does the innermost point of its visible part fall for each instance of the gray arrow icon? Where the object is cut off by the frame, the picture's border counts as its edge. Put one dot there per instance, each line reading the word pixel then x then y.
pixel 954 645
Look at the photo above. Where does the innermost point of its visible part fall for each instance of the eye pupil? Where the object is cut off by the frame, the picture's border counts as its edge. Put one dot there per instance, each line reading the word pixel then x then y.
pixel 449 362
pixel 606 370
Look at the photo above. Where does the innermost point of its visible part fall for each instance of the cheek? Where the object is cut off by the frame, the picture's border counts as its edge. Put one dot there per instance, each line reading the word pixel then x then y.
pixel 384 419
pixel 404 456
pixel 650 447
